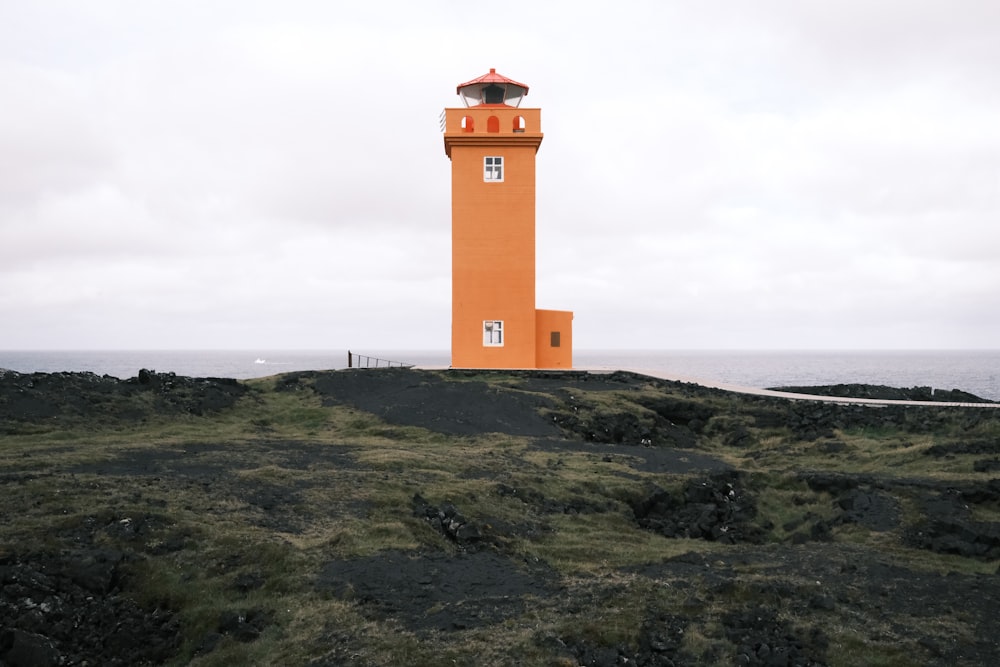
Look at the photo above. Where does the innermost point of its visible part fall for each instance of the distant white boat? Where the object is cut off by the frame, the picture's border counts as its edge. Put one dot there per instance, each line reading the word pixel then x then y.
pixel 259 361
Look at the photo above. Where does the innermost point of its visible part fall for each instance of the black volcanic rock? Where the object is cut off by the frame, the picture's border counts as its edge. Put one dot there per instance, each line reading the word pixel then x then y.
pixel 718 508
pixel 51 399
pixel 69 609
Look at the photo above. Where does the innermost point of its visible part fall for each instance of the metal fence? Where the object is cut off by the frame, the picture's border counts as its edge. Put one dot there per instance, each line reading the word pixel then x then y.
pixel 355 360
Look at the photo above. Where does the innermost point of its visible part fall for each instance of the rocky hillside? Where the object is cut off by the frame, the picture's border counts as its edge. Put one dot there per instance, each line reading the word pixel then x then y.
pixel 387 517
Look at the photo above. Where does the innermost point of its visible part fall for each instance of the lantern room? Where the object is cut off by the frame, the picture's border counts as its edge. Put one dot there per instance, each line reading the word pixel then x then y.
pixel 492 89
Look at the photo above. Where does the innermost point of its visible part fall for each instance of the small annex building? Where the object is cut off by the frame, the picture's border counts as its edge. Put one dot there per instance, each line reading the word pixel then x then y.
pixel 492 143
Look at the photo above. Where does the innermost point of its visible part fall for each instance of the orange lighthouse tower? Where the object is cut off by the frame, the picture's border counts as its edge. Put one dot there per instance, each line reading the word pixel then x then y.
pixel 492 144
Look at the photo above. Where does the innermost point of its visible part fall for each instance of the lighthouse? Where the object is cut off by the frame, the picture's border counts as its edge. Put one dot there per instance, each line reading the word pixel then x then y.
pixel 492 143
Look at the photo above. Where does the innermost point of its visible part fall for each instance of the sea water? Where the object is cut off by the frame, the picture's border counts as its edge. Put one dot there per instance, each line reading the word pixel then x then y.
pixel 974 371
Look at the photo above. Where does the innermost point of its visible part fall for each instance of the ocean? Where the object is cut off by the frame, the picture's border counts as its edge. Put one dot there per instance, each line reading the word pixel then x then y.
pixel 974 371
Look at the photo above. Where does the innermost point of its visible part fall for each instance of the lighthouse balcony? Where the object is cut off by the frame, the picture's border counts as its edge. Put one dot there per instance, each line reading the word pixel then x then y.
pixel 491 120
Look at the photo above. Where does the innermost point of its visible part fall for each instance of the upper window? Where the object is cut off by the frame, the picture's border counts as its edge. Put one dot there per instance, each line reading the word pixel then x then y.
pixel 493 168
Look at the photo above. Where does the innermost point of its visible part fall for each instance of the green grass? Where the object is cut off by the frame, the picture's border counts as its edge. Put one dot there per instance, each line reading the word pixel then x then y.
pixel 603 543
pixel 787 502
pixel 358 502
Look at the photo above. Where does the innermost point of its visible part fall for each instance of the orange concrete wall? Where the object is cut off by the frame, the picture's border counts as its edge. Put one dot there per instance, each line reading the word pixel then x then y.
pixel 493 236
pixel 480 115
pixel 547 321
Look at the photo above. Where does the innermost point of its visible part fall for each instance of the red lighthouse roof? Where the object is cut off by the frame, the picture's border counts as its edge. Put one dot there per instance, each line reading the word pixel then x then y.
pixel 492 77
pixel 492 89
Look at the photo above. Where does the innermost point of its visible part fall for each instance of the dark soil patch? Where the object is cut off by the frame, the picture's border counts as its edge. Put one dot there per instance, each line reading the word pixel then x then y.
pixel 213 470
pixel 426 399
pixel 859 499
pixel 947 523
pixel 972 539
pixel 666 460
pixel 566 382
pixel 986 465
pixel 762 638
pixel 493 533
pixel 545 505
pixel 651 426
pixel 875 510
pixel 436 591
pixel 625 428
pixel 812 420
pixel 828 584
pixel 949 526
pixel 211 460
pixel 660 645
pixel 680 411
pixel 963 447
pixel 244 625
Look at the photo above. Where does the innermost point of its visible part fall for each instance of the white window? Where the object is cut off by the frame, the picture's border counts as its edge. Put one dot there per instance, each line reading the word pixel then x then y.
pixel 493 333
pixel 493 169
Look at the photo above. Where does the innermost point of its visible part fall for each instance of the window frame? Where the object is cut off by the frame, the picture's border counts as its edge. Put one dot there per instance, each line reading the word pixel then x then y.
pixel 493 169
pixel 493 333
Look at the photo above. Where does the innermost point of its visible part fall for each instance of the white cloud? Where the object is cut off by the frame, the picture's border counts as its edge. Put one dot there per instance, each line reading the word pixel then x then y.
pixel 713 175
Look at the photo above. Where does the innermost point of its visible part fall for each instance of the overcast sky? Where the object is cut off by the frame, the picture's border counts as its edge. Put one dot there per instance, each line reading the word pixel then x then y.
pixel 260 175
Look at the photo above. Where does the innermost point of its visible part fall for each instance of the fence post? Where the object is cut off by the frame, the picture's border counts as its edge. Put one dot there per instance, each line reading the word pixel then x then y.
pixel 349 359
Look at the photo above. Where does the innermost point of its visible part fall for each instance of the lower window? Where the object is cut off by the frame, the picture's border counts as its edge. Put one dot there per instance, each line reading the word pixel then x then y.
pixel 492 333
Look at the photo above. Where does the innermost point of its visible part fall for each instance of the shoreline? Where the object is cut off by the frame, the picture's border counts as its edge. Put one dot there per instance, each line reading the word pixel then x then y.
pixel 977 372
